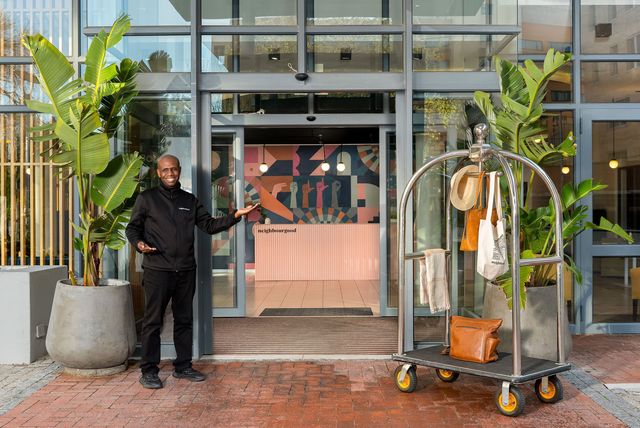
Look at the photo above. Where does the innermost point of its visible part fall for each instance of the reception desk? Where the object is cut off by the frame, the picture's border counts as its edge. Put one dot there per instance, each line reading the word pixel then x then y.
pixel 306 252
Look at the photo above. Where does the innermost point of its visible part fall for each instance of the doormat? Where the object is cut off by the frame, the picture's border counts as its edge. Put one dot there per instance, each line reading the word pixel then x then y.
pixel 315 312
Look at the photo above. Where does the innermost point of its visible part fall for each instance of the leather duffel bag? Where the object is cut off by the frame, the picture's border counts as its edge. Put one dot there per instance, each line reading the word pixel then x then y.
pixel 474 339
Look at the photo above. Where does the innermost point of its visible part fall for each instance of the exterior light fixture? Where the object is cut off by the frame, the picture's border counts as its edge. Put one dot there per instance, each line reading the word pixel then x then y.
pixel 341 166
pixel 613 163
pixel 324 165
pixel 263 166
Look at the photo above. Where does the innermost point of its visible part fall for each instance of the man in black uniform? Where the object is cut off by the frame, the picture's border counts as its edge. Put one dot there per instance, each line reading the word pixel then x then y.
pixel 162 228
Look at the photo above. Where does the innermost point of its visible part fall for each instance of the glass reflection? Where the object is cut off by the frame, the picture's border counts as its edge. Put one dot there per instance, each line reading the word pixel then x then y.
pixel 360 12
pixel 616 289
pixel 619 202
pixel 249 12
pixel 18 83
pixel 274 103
pixel 156 54
pixel 610 26
pixel 460 52
pixel 354 53
pixel 257 54
pixel 610 82
pixel 102 13
pixel 474 12
pixel 545 25
pixel 51 19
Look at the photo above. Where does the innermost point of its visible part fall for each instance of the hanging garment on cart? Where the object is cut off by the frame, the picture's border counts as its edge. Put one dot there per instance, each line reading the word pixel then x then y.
pixel 434 287
pixel 492 242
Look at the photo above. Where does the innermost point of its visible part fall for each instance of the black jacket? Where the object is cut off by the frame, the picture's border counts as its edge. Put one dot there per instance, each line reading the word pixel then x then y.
pixel 164 218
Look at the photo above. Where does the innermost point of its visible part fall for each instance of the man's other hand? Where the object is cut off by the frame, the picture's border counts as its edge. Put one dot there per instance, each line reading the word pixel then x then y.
pixel 144 248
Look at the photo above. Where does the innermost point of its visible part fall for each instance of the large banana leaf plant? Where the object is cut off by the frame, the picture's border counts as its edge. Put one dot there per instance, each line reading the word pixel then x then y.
pixel 86 113
pixel 517 124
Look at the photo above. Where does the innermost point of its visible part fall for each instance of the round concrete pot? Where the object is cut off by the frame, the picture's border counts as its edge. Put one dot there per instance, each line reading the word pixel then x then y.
pixel 92 329
pixel 538 332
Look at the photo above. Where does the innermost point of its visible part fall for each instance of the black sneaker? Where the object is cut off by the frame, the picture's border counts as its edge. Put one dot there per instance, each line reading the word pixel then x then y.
pixel 150 381
pixel 189 374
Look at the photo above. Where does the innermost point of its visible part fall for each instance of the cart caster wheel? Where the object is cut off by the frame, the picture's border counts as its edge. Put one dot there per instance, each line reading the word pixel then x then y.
pixel 408 384
pixel 554 390
pixel 516 402
pixel 447 375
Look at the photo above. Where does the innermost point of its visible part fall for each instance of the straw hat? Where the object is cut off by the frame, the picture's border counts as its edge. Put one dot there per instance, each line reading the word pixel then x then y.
pixel 464 187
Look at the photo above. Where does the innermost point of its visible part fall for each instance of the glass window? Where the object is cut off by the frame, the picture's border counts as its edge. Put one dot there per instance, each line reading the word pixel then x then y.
pixel 460 52
pixel 474 12
pixel 616 289
pixel 610 82
pixel 51 19
pixel 545 24
pixel 616 163
pixel 354 12
pixel 442 123
pixel 256 54
pixel 157 125
pixel 222 103
pixel 249 12
pixel 223 245
pixel 102 13
pixel 273 103
pixel 156 54
pixel 18 83
pixel 560 87
pixel 354 53
pixel 348 102
pixel 605 25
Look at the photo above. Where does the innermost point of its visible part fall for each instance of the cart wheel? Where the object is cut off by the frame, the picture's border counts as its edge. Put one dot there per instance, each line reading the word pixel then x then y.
pixel 516 402
pixel 554 390
pixel 408 384
pixel 447 375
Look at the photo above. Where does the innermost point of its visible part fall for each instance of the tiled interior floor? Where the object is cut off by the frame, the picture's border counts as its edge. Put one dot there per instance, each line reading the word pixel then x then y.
pixel 298 294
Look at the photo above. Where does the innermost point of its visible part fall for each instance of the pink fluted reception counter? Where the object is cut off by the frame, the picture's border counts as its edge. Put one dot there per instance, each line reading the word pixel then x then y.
pixel 307 252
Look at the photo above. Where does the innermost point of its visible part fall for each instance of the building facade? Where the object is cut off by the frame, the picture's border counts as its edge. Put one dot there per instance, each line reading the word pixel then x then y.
pixel 376 85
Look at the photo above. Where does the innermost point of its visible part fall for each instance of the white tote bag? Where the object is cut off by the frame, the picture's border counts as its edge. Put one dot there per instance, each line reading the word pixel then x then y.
pixel 492 242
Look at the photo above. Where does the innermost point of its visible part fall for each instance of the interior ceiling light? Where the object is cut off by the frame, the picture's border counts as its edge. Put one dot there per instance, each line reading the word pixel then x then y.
pixel 613 163
pixel 341 166
pixel 324 165
pixel 263 166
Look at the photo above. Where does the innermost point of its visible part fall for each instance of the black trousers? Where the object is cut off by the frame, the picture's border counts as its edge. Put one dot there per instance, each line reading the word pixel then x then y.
pixel 160 287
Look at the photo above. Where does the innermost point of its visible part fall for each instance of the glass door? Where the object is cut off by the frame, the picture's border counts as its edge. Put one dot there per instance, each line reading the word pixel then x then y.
pixel 227 248
pixel 388 223
pixel 611 286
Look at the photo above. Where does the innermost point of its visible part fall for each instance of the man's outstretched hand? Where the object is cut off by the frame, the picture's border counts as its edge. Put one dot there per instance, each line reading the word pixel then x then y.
pixel 246 210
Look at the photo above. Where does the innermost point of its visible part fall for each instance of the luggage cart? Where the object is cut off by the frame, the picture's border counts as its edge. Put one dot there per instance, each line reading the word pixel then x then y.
pixel 511 369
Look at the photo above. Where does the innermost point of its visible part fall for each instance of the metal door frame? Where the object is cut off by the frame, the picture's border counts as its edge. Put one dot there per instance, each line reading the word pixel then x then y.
pixel 239 237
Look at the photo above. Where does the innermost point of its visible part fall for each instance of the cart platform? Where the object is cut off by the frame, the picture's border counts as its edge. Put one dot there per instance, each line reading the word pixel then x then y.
pixel 532 368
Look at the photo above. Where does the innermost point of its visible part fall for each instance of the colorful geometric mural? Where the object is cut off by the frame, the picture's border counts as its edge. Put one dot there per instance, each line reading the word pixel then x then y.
pixel 296 190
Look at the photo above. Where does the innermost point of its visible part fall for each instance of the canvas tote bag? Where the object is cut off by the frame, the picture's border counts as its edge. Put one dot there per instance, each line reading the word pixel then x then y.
pixel 492 242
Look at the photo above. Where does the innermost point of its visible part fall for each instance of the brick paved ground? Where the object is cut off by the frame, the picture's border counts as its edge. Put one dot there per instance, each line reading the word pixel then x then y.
pixel 291 394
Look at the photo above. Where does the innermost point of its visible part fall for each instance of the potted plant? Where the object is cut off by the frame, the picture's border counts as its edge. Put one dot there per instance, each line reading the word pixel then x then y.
pixel 517 126
pixel 91 329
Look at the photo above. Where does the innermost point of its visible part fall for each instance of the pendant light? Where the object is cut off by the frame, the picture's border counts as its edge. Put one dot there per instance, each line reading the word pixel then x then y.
pixel 613 163
pixel 341 166
pixel 263 166
pixel 324 165
pixel 565 170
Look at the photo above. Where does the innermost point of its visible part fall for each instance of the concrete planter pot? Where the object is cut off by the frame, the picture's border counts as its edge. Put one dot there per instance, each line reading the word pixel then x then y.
pixel 26 294
pixel 92 329
pixel 539 334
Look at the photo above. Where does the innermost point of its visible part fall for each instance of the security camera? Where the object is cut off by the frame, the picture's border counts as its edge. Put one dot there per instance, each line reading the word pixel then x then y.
pixel 311 118
pixel 301 76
